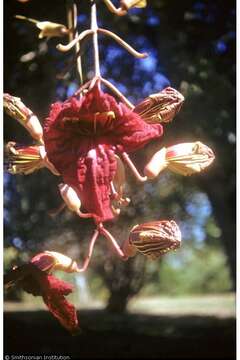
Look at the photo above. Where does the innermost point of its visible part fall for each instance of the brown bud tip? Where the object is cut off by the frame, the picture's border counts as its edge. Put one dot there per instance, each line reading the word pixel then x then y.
pixel 156 238
pixel 160 107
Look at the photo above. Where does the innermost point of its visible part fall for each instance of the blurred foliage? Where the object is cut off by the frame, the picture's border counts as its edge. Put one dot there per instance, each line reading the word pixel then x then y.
pixel 191 45
pixel 196 271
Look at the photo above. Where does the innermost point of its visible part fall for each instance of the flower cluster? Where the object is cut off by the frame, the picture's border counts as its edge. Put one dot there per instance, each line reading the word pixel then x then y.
pixel 86 140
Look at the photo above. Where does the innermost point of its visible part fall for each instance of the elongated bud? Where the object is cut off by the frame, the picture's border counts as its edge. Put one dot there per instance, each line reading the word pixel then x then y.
pixel 160 107
pixel 23 159
pixel 50 29
pixel 51 260
pixel 189 158
pixel 156 238
pixel 127 4
pixel 120 176
pixel 156 164
pixel 70 197
pixel 118 184
pixel 15 108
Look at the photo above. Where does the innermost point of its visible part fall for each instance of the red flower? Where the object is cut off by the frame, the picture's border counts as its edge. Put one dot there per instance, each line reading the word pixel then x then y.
pixel 81 139
pixel 34 278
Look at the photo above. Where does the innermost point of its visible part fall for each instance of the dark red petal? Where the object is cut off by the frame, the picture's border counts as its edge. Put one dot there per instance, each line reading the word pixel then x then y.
pixel 94 189
pixel 87 162
pixel 58 286
pixel 132 133
pixel 53 291
pixel 129 130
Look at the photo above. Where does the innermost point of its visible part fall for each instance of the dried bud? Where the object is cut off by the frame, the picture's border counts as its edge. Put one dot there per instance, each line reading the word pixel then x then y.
pixel 51 260
pixel 156 238
pixel 160 107
pixel 48 28
pixel 128 4
pixel 23 159
pixel 70 197
pixel 189 158
pixel 15 108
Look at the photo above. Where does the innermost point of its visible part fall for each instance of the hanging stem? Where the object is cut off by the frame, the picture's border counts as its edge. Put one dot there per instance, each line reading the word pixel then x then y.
pixel 73 34
pixel 90 251
pixel 94 28
pixel 113 9
pixel 77 47
pixel 129 162
pixel 123 43
pixel 111 239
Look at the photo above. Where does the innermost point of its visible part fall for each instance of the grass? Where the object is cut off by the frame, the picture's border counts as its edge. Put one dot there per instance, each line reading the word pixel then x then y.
pixel 220 305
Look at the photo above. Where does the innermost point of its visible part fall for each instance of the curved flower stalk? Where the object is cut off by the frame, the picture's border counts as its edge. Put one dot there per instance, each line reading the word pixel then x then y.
pixel 94 31
pixel 85 33
pixel 36 278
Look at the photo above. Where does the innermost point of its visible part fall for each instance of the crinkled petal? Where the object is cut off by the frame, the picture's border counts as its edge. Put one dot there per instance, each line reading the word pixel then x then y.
pixel 53 291
pixel 83 155
pixel 94 190
pixel 53 296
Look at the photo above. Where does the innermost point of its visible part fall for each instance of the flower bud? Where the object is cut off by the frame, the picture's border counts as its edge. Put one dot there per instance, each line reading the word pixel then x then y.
pixel 70 197
pixel 127 4
pixel 156 238
pixel 15 108
pixel 189 158
pixel 23 159
pixel 160 107
pixel 51 260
